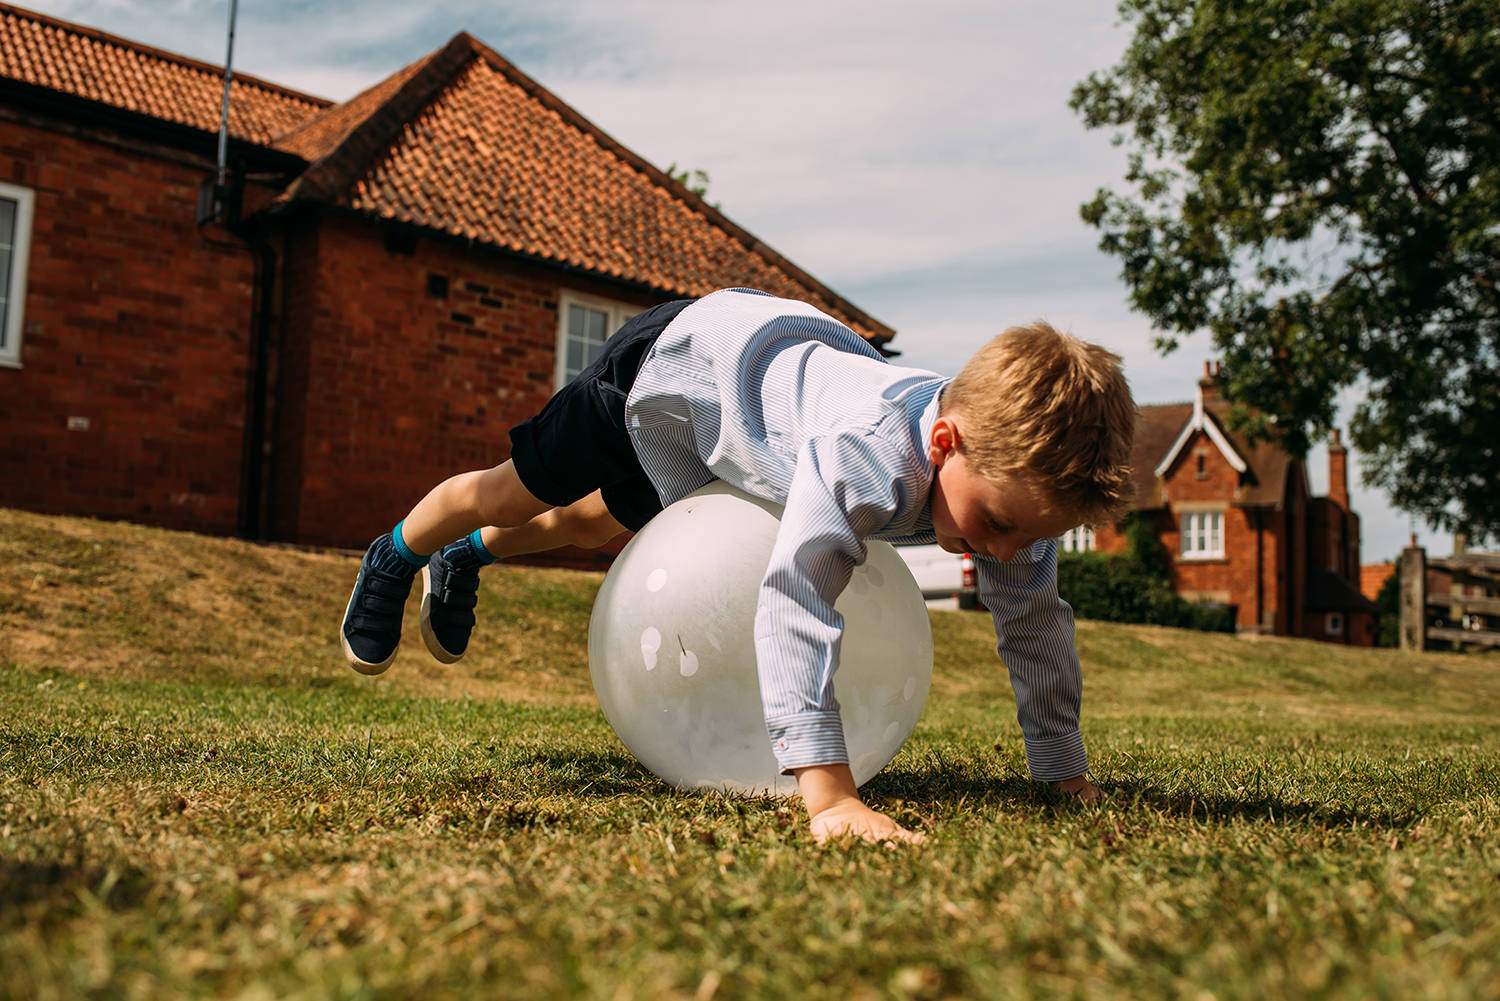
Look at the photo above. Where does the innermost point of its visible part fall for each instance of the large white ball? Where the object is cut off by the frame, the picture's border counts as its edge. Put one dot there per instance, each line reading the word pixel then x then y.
pixel 672 648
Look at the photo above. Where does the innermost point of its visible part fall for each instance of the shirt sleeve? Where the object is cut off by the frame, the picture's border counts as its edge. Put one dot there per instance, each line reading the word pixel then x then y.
pixel 1034 627
pixel 845 488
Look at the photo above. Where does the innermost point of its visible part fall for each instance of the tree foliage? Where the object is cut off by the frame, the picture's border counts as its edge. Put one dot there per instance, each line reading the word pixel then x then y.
pixel 1317 184
pixel 695 180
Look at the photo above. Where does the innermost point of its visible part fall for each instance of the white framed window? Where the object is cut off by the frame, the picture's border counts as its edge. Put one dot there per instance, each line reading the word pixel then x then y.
pixel 15 243
pixel 1202 534
pixel 584 323
pixel 1333 624
pixel 1077 540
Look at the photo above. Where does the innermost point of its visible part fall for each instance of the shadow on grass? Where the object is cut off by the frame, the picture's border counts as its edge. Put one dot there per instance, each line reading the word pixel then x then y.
pixel 596 776
pixel 934 786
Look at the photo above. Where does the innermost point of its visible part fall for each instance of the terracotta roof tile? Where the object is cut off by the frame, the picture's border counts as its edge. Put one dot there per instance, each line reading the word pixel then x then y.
pixel 70 59
pixel 320 135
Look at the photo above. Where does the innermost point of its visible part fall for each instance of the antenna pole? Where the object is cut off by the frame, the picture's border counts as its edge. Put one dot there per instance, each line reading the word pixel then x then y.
pixel 221 177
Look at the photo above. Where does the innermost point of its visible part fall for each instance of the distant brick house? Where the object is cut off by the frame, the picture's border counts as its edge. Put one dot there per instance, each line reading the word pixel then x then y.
pixel 397 280
pixel 1242 528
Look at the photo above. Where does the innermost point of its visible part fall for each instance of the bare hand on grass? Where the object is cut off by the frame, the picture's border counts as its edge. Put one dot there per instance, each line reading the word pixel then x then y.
pixel 835 810
pixel 853 818
pixel 1080 788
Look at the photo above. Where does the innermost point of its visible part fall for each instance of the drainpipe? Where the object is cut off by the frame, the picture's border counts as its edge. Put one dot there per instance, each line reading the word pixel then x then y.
pixel 1260 569
pixel 263 313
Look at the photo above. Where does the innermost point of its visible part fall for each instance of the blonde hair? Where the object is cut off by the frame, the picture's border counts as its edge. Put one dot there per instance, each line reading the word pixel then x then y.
pixel 1034 400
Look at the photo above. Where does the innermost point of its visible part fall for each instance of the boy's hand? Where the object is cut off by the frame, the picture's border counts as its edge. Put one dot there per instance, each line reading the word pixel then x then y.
pixel 862 822
pixel 835 809
pixel 1080 788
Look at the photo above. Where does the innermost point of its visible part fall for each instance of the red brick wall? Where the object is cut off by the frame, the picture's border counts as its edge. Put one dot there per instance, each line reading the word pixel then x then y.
pixel 1233 576
pixel 135 333
pixel 386 389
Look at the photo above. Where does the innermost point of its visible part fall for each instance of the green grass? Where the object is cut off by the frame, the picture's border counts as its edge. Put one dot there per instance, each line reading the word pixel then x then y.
pixel 197 799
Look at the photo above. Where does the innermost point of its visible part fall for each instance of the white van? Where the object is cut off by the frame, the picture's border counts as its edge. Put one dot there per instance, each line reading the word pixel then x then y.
pixel 941 574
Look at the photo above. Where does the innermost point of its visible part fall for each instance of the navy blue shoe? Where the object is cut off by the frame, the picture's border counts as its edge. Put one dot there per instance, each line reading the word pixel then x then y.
pixel 449 592
pixel 372 621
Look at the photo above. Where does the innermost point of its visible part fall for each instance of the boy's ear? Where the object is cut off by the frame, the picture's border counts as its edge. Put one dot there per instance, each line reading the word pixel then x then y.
pixel 943 441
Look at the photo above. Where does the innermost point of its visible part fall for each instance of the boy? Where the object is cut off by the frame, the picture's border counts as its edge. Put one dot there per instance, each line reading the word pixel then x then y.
pixel 1031 439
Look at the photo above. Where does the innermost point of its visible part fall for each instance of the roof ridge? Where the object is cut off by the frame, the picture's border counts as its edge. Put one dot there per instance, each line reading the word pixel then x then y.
pixel 329 177
pixel 660 178
pixel 189 62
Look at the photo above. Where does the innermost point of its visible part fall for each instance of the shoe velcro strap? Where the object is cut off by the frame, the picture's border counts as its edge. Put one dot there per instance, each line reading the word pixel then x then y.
pixel 458 597
pixel 460 581
pixel 387 585
pixel 381 604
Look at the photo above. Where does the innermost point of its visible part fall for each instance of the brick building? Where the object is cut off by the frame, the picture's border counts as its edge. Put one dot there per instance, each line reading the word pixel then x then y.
pixel 1242 528
pixel 391 283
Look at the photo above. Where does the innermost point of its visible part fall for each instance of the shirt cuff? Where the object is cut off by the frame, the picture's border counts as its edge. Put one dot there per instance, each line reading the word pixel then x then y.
pixel 810 738
pixel 1055 759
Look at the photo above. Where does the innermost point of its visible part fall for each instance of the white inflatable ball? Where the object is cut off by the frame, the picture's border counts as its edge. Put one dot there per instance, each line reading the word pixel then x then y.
pixel 672 648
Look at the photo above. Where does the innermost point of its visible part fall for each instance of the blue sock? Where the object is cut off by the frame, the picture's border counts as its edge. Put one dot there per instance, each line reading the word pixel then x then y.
pixel 480 553
pixel 468 552
pixel 403 550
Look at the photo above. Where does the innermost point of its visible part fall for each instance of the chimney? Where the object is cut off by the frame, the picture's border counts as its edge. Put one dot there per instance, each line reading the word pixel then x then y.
pixel 1206 386
pixel 1338 475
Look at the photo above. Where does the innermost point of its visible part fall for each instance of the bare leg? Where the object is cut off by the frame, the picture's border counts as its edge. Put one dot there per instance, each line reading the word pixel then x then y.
pixel 586 523
pixel 462 503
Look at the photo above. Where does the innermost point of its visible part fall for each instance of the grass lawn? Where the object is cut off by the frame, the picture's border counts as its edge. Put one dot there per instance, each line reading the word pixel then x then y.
pixel 197 799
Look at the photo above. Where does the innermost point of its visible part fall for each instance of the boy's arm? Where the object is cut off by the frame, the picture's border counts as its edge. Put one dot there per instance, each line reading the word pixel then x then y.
pixel 1034 630
pixel 842 491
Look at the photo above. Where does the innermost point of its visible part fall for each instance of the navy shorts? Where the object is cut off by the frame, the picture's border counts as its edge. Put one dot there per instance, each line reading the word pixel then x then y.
pixel 578 442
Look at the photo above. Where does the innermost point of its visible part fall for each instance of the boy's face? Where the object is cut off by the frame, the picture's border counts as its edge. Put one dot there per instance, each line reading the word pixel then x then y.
pixel 976 514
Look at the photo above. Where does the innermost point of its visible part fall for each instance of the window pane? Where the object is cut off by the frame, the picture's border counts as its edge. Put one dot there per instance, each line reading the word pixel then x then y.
pixel 7 222
pixel 577 318
pixel 575 358
pixel 597 322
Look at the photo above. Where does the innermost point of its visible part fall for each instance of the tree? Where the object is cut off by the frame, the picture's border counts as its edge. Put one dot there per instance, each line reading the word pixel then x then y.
pixel 1317 184
pixel 694 180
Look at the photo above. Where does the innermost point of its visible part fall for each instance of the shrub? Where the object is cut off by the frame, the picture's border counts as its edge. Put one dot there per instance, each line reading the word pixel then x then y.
pixel 1134 586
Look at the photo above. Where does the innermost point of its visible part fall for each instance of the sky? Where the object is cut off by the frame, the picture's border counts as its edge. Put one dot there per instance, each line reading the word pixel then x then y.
pixel 919 159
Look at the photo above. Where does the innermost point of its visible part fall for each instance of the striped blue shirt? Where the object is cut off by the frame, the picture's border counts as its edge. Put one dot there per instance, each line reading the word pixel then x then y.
pixel 786 403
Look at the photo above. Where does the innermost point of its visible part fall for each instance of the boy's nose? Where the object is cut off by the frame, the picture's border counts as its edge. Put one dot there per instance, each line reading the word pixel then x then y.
pixel 1005 547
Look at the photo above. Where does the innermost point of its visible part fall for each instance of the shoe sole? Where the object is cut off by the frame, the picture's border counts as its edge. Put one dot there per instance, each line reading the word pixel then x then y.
pixel 362 666
pixel 428 636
